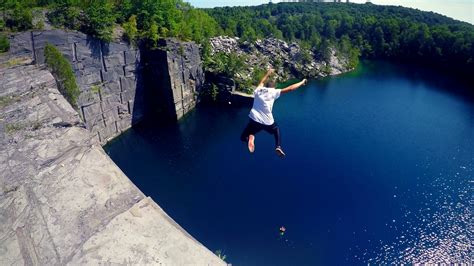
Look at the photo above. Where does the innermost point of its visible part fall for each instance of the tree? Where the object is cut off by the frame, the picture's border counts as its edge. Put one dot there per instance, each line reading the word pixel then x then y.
pixel 65 15
pixel 4 43
pixel 131 31
pixel 19 18
pixel 62 71
pixel 100 19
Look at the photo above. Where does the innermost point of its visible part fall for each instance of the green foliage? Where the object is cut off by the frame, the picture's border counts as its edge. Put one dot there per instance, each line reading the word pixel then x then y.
pixel 95 89
pixel 17 17
pixel 247 84
pixel 13 127
pixel 257 75
pixel 214 92
pixel 65 15
pixel 373 31
pixel 323 52
pixel 326 69
pixel 173 18
pixel 100 19
pixel 131 31
pixel 62 70
pixel 147 19
pixel 221 255
pixel 39 25
pixel 206 54
pixel 227 63
pixel 151 35
pixel 7 100
pixel 305 56
pixel 4 44
pixel 348 51
pixel 13 62
pixel 370 31
pixel 210 93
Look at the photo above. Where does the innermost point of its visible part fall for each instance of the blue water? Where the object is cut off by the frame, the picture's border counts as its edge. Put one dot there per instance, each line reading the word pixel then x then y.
pixel 379 169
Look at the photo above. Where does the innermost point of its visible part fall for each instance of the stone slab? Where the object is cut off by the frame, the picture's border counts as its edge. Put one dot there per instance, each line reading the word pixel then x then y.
pixel 63 201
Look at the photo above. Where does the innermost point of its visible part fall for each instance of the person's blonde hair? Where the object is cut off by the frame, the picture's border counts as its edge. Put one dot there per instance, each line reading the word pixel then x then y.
pixel 270 83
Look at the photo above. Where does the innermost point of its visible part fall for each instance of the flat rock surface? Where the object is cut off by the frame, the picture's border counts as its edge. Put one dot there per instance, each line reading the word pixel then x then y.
pixel 62 199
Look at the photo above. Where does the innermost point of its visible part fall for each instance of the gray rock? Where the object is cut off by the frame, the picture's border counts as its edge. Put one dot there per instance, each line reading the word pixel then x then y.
pixel 62 199
pixel 287 58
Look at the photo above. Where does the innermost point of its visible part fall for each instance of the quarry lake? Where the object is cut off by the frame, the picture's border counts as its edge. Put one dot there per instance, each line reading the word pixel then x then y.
pixel 379 168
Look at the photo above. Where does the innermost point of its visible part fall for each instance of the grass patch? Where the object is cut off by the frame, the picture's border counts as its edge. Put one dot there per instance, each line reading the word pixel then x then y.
pixel 13 62
pixel 95 89
pixel 7 100
pixel 220 254
pixel 13 127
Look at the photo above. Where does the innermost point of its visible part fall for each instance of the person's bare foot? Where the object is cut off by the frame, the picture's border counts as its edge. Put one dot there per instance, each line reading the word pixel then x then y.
pixel 279 152
pixel 251 143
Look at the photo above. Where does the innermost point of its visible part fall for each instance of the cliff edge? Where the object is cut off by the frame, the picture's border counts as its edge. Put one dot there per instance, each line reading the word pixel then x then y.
pixel 62 199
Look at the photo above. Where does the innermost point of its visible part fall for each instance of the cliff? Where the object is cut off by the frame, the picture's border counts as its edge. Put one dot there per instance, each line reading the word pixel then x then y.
pixel 289 59
pixel 62 199
pixel 173 77
pixel 112 77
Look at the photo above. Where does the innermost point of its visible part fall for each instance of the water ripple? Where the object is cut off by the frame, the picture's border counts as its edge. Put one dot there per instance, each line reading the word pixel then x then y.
pixel 445 231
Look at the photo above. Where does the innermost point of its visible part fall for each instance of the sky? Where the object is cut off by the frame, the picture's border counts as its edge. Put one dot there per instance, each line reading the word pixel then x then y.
pixel 458 9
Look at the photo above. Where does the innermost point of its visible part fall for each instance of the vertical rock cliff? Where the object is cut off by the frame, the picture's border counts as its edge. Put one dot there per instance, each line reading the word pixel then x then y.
pixel 173 77
pixel 118 87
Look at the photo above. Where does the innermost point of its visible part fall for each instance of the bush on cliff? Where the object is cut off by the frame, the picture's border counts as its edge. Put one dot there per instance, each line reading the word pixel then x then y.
pixel 100 19
pixel 17 17
pixel 227 63
pixel 131 31
pixel 65 15
pixel 4 44
pixel 62 71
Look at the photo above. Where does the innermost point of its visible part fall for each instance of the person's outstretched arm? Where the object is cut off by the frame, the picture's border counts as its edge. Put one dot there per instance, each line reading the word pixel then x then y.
pixel 262 82
pixel 293 87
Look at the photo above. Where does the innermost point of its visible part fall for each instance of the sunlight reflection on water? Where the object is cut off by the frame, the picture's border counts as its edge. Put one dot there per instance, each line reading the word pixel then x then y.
pixel 445 227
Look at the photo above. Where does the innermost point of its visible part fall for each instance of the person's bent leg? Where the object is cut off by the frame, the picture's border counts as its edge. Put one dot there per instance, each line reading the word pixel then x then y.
pixel 248 135
pixel 247 132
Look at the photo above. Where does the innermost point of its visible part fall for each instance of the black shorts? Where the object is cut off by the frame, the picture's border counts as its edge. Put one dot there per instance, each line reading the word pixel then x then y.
pixel 253 128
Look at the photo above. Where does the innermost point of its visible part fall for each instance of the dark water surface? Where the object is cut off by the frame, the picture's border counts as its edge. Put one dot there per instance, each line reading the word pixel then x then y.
pixel 379 168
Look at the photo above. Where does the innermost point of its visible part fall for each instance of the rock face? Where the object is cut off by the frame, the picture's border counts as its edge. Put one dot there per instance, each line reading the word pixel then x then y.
pixel 111 77
pixel 62 200
pixel 107 75
pixel 173 77
pixel 289 59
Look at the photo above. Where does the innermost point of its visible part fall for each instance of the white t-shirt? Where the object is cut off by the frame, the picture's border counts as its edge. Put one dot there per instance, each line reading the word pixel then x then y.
pixel 263 104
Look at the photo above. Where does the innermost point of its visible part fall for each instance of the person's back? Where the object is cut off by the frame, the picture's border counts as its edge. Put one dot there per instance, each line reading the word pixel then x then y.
pixel 263 105
pixel 261 117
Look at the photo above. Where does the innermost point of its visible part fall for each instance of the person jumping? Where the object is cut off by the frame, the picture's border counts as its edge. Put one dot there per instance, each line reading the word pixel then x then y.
pixel 261 114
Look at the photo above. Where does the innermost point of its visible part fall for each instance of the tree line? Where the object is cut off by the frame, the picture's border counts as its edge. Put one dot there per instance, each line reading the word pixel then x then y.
pixel 371 31
pixel 147 19
pixel 357 30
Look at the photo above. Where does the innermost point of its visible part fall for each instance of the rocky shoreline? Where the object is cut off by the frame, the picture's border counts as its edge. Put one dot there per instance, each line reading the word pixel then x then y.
pixel 290 60
pixel 287 58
